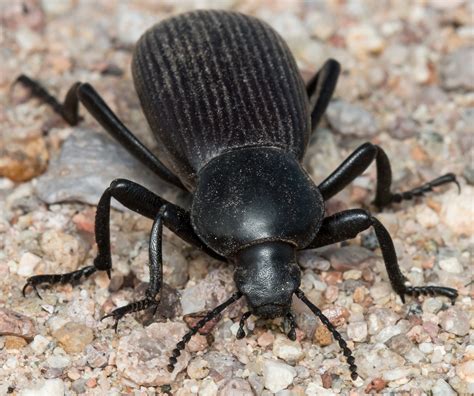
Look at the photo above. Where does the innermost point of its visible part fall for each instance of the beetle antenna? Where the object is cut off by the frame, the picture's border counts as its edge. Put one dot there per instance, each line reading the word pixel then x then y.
pixel 209 316
pixel 241 333
pixel 292 332
pixel 342 343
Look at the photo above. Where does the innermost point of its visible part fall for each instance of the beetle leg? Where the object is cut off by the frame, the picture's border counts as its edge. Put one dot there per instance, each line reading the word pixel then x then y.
pixel 347 224
pixel 359 161
pixel 88 96
pixel 140 200
pixel 69 110
pixel 320 89
pixel 156 273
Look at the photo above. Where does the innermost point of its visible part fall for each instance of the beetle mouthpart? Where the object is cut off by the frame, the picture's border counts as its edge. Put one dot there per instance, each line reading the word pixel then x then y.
pixel 342 343
pixel 241 333
pixel 209 316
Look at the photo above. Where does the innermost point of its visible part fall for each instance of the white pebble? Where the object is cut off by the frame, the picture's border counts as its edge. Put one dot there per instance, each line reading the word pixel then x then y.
pixel 426 347
pixel 451 265
pixel 39 344
pixel 289 351
pixel 51 387
pixel 357 331
pixel 466 371
pixel 277 375
pixel 442 388
pixel 58 362
pixel 28 263
pixel 396 374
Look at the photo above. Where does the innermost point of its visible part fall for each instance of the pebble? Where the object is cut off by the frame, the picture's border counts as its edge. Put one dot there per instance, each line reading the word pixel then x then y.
pixel 322 336
pixel 458 211
pixel 289 351
pixel 426 217
pixel 351 119
pixel 197 368
pixel 58 361
pixel 63 248
pixel 372 361
pixel 28 263
pixel 74 337
pixel 456 73
pixel 208 388
pixel 380 318
pixel 349 257
pixel 432 305
pixel 50 387
pixel 309 260
pixel 96 357
pixel 465 371
pixel 316 389
pixel 266 339
pixel 363 40
pixel 442 388
pixel 357 331
pixel 455 321
pixel 14 342
pixel 277 375
pixel 237 387
pixel 22 160
pixel 39 344
pixel 451 265
pixel 400 344
pixel 396 374
pixel 73 176
pixel 468 174
pixel 16 324
pixel 143 355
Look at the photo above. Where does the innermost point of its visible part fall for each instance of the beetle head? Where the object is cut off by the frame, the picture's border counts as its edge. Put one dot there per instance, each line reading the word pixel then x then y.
pixel 267 275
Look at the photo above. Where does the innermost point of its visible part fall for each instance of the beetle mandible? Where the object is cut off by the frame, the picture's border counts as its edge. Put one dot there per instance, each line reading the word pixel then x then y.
pixel 225 100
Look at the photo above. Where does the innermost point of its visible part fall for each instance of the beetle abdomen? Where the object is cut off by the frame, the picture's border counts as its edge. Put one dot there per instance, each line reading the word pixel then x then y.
pixel 211 81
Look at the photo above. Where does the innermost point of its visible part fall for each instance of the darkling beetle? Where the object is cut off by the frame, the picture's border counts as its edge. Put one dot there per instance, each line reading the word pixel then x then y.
pixel 225 100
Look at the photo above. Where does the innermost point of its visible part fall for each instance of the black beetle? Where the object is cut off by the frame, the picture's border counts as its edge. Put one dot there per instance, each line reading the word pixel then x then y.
pixel 224 98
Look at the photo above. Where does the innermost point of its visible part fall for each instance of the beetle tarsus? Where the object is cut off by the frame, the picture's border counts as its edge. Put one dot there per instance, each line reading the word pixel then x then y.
pixel 51 279
pixel 135 306
pixel 427 187
pixel 415 291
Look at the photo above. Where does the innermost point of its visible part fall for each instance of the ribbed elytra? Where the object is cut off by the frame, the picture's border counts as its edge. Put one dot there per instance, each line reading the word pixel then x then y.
pixel 212 81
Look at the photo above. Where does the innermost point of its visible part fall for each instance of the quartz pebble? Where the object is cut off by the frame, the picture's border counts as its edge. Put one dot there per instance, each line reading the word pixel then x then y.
pixel 28 263
pixel 277 375
pixel 442 388
pixel 357 331
pixel 237 387
pixel 50 387
pixel 39 344
pixel 289 351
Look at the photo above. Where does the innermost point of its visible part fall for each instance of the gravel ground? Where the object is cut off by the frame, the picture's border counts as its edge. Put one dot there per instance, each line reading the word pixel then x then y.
pixel 407 84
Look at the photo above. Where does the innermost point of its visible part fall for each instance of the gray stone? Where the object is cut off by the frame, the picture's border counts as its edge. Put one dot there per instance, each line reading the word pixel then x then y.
pixel 468 174
pixel 88 162
pixel 455 321
pixel 143 355
pixel 236 387
pixel 350 119
pixel 442 388
pixel 349 257
pixel 456 69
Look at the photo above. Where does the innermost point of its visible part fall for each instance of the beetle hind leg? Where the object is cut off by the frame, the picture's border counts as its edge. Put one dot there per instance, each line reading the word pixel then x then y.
pixel 68 110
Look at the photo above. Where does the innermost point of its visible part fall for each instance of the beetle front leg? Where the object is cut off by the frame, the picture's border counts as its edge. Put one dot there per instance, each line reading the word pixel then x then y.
pixel 156 273
pixel 348 224
pixel 359 161
pixel 137 198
